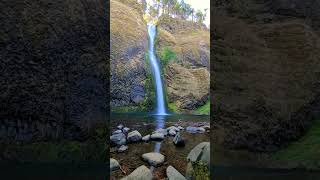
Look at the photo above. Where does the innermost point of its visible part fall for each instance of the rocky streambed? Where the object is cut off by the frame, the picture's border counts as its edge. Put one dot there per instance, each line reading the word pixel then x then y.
pixel 141 149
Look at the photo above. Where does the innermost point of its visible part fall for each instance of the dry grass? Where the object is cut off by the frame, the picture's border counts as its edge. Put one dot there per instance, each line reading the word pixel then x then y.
pixel 126 25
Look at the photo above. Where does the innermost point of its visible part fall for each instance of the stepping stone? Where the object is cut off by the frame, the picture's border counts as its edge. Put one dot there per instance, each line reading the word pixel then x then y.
pixel 173 174
pixel 153 158
pixel 114 165
pixel 117 131
pixel 195 129
pixel 206 127
pixel 172 132
pixel 200 153
pixel 173 128
pixel 118 139
pixel 134 136
pixel 157 136
pixel 146 138
pixel 178 140
pixel 122 148
pixel 161 131
pixel 141 173
pixel 120 126
pixel 125 130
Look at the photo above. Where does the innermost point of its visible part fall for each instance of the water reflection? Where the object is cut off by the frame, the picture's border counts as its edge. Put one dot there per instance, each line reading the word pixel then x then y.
pixel 160 124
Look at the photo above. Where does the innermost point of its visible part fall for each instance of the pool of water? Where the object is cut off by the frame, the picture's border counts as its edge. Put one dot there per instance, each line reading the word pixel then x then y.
pixel 146 124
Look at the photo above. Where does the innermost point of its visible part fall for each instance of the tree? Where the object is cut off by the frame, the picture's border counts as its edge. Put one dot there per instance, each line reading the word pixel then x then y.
pixel 164 6
pixel 192 14
pixel 177 9
pixel 199 16
pixel 171 4
pixel 205 14
pixel 144 4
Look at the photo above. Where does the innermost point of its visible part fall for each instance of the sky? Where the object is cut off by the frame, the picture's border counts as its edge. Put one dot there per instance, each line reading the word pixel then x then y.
pixel 198 5
pixel 201 5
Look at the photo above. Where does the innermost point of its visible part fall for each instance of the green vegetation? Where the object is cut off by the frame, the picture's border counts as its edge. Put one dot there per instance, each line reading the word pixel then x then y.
pixel 205 109
pixel 167 55
pixel 150 95
pixel 200 171
pixel 172 107
pixel 304 152
pixel 126 109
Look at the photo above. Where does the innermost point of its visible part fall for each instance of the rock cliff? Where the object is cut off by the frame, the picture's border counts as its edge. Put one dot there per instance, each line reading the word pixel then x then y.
pixel 128 41
pixel 186 76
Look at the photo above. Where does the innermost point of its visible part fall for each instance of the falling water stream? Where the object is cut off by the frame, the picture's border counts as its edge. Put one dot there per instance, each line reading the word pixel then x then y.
pixel 160 109
pixel 155 67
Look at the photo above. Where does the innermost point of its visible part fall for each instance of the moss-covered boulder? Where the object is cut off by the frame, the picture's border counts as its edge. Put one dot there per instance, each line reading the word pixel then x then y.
pixel 199 162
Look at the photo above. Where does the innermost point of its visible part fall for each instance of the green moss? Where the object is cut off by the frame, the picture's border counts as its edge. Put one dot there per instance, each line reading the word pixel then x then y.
pixel 205 109
pixel 150 94
pixel 167 55
pixel 126 109
pixel 304 152
pixel 200 171
pixel 172 107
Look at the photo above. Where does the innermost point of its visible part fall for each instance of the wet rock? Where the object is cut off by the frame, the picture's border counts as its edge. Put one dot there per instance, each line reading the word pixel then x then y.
pixel 146 138
pixel 122 148
pixel 195 129
pixel 207 127
pixel 200 153
pixel 180 127
pixel 172 132
pixel 117 131
pixel 157 136
pixel 125 130
pixel 134 136
pixel 120 126
pixel 141 173
pixel 173 128
pixel 173 174
pixel 114 165
pixel 161 131
pixel 153 158
pixel 178 140
pixel 118 139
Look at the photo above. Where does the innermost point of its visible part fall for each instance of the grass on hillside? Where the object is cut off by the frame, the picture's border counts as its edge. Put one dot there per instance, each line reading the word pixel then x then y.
pixel 205 109
pixel 306 151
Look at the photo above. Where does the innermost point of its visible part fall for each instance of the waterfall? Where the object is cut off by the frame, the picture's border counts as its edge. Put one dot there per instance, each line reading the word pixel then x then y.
pixel 160 109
